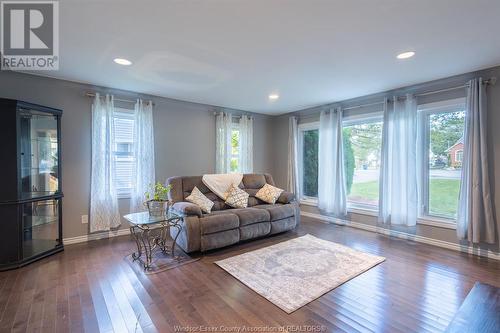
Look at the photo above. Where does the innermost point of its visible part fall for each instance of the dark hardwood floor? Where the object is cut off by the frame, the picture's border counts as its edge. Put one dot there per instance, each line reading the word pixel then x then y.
pixel 91 288
pixel 480 312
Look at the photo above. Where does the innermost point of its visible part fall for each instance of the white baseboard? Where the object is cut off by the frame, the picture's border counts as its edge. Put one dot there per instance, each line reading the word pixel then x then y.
pixel 98 235
pixel 403 235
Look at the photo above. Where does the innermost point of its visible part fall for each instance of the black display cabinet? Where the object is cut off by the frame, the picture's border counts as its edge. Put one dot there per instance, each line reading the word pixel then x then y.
pixel 30 191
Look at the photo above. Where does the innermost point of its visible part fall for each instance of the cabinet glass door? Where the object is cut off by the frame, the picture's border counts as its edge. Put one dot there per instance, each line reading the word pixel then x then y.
pixel 39 154
pixel 40 226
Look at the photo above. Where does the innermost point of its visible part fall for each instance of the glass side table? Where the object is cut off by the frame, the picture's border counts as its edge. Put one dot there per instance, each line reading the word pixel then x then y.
pixel 151 233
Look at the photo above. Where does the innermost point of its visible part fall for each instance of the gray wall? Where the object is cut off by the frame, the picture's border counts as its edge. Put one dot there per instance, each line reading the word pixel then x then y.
pixel 280 125
pixel 184 138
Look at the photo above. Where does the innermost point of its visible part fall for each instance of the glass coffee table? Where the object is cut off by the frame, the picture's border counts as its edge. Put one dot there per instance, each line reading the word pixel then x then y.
pixel 152 233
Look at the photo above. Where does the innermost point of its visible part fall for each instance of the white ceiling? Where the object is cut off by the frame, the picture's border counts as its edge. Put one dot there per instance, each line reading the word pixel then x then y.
pixel 235 53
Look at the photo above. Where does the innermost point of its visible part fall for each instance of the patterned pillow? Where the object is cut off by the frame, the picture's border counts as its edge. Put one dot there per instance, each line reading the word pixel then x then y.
pixel 236 197
pixel 269 194
pixel 201 200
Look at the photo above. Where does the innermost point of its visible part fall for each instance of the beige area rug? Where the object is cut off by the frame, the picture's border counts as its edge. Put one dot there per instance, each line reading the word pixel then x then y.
pixel 295 272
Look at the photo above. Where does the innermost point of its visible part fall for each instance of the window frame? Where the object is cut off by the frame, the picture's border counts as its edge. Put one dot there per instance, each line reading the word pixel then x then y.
pixel 450 105
pixel 311 126
pixel 347 121
pixel 424 111
pixel 365 118
pixel 123 113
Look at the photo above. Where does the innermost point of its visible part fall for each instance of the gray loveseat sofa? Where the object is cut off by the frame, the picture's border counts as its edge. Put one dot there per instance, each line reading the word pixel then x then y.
pixel 226 225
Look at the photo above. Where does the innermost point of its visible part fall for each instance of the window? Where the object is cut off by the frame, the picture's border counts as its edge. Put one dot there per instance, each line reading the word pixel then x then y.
pixel 362 149
pixel 308 161
pixel 123 123
pixel 235 148
pixel 362 155
pixel 441 129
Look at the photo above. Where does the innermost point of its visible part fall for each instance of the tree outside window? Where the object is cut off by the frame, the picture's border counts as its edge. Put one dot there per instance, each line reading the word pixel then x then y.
pixel 362 151
pixel 235 150
pixel 310 163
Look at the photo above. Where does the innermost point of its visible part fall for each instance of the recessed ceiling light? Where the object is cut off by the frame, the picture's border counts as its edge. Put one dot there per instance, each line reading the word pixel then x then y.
pixel 274 97
pixel 406 55
pixel 122 61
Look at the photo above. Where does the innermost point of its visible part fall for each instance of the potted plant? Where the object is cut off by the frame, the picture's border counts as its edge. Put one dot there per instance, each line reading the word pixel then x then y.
pixel 157 199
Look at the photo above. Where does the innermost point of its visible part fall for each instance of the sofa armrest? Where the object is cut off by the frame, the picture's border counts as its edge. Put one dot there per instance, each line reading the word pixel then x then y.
pixel 187 208
pixel 189 237
pixel 286 197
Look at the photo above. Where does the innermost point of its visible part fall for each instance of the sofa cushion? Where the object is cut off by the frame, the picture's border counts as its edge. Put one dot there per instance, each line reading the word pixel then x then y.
pixel 200 200
pixel 286 197
pixel 218 221
pixel 219 239
pixel 176 193
pixel 188 184
pixel 282 225
pixel 255 181
pixel 278 211
pixel 252 200
pixel 236 197
pixel 187 208
pixel 251 215
pixel 269 193
pixel 255 230
pixel 219 204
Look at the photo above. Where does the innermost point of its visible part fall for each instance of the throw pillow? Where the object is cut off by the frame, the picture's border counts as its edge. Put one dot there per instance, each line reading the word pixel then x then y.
pixel 269 194
pixel 236 197
pixel 201 200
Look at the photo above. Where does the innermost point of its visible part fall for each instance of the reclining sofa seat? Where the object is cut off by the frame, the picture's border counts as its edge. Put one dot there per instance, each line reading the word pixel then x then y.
pixel 226 225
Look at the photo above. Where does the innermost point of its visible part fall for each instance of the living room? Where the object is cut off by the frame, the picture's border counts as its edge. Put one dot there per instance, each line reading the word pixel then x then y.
pixel 229 166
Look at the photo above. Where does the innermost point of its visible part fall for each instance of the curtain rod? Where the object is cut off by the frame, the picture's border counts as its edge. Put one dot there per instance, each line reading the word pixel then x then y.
pixel 362 105
pixel 232 114
pixel 92 95
pixel 490 81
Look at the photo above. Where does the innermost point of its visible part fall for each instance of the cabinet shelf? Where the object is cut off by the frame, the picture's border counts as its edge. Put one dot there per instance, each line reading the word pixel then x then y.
pixel 39 222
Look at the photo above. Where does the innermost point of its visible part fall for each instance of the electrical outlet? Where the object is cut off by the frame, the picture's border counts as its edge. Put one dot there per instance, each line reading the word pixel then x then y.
pixel 85 219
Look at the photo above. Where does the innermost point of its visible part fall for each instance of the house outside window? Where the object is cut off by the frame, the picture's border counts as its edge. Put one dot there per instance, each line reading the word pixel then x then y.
pixel 123 154
pixel 440 146
pixel 441 129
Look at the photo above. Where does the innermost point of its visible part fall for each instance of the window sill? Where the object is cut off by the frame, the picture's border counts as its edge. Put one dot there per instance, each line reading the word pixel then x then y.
pixel 309 202
pixel 428 220
pixel 124 196
pixel 357 210
pixel 437 222
pixel 368 212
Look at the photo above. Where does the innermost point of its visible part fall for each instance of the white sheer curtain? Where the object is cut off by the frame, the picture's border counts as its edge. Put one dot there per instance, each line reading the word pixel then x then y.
pixel 104 213
pixel 144 153
pixel 475 220
pixel 293 158
pixel 246 144
pixel 332 198
pixel 398 177
pixel 223 127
